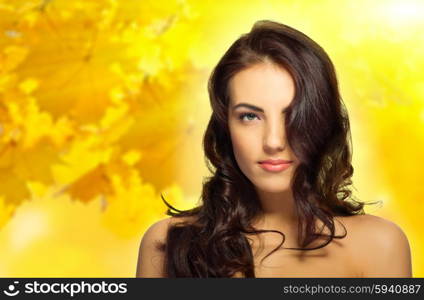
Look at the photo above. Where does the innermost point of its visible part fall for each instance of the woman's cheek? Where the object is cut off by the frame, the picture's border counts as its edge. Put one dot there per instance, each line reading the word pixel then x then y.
pixel 244 152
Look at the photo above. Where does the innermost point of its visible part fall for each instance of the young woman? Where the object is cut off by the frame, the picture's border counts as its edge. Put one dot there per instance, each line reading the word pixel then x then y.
pixel 278 203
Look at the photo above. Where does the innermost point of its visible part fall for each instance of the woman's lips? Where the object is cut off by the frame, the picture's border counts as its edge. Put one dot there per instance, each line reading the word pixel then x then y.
pixel 275 167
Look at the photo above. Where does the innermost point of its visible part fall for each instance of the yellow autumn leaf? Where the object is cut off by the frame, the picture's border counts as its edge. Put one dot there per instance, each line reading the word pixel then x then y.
pixel 6 210
pixel 131 157
pixel 11 57
pixel 82 156
pixel 29 85
pixel 132 206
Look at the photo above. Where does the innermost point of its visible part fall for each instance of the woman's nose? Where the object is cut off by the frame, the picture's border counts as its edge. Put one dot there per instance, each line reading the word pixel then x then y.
pixel 274 137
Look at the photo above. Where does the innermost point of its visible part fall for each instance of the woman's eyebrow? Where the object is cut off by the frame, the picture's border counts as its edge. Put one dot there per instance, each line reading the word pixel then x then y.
pixel 252 107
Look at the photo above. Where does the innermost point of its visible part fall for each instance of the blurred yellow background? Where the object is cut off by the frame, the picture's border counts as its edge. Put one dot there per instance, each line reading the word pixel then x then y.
pixel 103 105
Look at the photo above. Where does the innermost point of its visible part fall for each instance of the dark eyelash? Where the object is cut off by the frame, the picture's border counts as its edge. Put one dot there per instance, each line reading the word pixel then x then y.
pixel 242 115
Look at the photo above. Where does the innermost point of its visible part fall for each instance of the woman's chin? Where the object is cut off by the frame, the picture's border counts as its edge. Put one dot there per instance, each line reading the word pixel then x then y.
pixel 273 189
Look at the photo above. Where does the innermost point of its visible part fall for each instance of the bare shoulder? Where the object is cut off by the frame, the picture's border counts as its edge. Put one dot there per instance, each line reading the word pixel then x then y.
pixel 380 246
pixel 150 256
pixel 157 231
pixel 374 229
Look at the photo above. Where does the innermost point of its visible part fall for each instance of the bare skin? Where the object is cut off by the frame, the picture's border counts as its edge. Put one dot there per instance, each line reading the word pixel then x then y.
pixel 362 253
pixel 373 247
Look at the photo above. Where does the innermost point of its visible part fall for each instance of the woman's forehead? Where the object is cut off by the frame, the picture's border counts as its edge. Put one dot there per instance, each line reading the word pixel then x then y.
pixel 265 85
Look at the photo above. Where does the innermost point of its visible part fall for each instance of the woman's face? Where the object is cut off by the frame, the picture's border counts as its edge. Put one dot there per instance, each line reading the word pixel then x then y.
pixel 259 94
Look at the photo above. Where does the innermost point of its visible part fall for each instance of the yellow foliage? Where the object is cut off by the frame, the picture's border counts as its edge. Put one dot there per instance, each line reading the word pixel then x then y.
pixel 6 211
pixel 131 157
pixel 11 57
pixel 29 85
pixel 126 218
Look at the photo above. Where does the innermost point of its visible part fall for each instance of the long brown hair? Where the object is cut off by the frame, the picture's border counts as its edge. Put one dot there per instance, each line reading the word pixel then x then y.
pixel 213 243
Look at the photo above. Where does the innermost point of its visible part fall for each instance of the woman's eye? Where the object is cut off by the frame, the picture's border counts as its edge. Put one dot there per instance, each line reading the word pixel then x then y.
pixel 249 116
